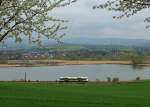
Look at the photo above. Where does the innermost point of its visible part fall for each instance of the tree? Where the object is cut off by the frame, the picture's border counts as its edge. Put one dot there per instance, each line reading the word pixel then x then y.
pixel 25 17
pixel 136 59
pixel 126 7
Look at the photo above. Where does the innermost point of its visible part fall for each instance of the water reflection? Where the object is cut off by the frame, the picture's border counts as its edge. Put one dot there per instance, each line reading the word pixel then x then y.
pixel 137 67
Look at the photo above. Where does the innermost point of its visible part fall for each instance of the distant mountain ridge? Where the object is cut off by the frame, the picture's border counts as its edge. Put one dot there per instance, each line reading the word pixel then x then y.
pixel 109 41
pixel 86 41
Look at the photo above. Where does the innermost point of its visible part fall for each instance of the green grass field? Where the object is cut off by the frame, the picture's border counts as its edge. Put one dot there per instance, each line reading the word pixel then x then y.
pixel 75 95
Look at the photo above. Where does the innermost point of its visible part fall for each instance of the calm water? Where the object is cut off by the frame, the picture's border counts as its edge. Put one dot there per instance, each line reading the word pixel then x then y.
pixel 51 73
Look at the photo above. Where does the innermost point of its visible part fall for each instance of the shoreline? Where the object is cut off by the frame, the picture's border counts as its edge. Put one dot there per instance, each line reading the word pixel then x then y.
pixel 66 62
pixel 89 82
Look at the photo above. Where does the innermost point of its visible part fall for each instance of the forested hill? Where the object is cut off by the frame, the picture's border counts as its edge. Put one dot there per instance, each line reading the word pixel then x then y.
pixel 84 41
pixel 109 41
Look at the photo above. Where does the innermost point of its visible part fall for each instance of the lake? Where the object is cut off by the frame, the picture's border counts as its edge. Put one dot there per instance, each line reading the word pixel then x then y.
pixel 93 72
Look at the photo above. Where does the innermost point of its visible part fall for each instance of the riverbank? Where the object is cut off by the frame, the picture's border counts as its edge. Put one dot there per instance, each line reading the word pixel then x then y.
pixel 37 63
pixel 64 62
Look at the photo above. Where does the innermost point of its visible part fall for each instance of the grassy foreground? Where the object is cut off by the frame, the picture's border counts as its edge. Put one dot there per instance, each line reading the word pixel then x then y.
pixel 65 95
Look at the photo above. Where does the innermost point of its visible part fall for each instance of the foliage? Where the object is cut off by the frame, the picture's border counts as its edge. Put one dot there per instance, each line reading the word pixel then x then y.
pixel 126 7
pixel 136 59
pixel 28 17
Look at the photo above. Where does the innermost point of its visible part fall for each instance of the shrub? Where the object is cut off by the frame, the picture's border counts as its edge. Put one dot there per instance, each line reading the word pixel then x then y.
pixel 138 79
pixel 136 59
pixel 115 80
pixel 108 79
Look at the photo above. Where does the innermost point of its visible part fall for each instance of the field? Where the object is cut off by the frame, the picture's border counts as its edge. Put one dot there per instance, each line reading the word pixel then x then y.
pixel 75 95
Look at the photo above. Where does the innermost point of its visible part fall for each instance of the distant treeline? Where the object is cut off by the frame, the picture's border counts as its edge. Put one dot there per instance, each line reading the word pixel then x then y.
pixel 77 52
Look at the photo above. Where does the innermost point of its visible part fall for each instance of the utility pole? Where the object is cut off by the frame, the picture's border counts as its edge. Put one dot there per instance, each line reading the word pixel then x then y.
pixel 25 76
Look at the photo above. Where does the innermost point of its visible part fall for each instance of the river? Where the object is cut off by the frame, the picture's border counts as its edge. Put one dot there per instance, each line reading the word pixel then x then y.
pixel 93 72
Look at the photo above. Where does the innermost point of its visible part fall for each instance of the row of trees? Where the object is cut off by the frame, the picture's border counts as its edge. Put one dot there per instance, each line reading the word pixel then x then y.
pixel 25 17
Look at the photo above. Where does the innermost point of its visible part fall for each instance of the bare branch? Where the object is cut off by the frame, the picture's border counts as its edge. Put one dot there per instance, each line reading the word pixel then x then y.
pixel 18 14
pixel 127 8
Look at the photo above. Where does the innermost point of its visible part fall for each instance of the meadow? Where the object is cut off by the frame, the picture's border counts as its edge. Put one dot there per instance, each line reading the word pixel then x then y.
pixel 75 95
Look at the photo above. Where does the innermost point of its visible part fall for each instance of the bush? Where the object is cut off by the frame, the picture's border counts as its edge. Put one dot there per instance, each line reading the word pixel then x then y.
pixel 108 79
pixel 138 79
pixel 115 80
pixel 136 59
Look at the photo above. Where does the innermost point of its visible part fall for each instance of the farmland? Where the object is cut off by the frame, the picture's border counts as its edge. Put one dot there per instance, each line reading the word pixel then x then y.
pixel 75 95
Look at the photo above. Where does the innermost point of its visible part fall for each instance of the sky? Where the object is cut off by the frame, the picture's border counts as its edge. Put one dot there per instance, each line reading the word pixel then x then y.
pixel 89 23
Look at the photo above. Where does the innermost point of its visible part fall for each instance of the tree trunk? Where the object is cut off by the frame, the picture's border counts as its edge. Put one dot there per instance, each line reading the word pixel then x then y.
pixel 0 2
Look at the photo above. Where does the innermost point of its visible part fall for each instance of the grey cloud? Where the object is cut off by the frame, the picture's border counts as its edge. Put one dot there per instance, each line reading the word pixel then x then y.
pixel 86 22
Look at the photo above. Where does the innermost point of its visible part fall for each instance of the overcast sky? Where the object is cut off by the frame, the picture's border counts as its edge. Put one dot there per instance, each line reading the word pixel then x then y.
pixel 86 22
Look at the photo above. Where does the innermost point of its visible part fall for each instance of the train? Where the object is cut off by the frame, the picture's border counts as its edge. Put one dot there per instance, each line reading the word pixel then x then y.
pixel 73 79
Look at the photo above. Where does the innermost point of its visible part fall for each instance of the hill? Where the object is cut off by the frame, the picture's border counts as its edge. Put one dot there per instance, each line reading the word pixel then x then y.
pixel 109 41
pixel 83 41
